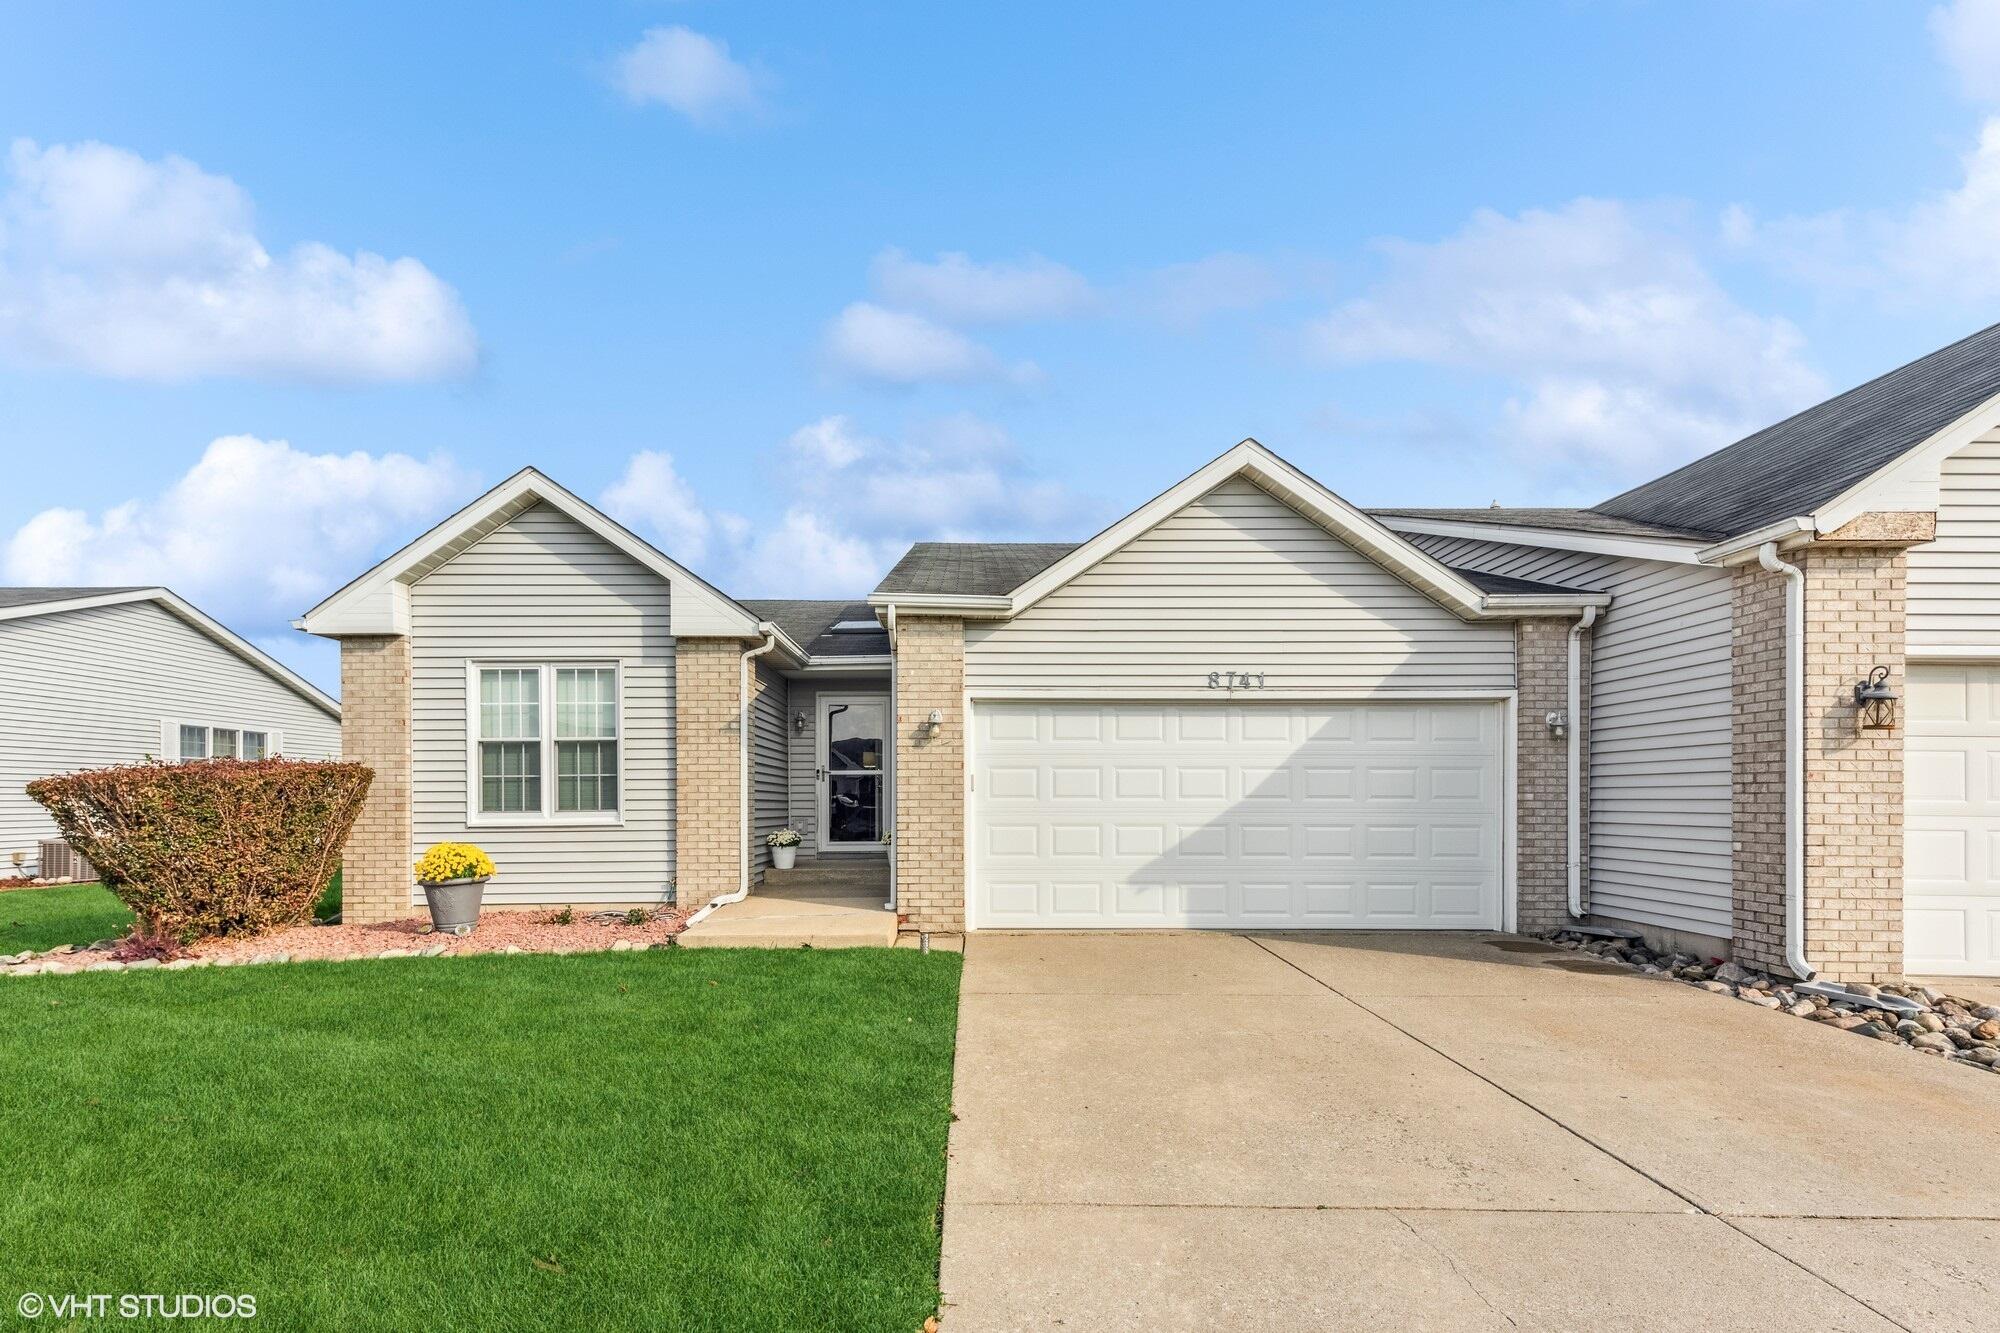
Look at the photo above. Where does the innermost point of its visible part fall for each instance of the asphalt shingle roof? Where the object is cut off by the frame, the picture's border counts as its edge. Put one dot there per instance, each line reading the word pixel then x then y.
pixel 1486 582
pixel 810 624
pixel 1560 520
pixel 11 597
pixel 1799 464
pixel 971 569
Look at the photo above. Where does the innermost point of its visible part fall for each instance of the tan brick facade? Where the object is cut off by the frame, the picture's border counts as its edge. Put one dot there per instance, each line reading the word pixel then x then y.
pixel 708 769
pixel 1541 798
pixel 1854 778
pixel 1757 767
pixel 376 879
pixel 930 773
pixel 1854 613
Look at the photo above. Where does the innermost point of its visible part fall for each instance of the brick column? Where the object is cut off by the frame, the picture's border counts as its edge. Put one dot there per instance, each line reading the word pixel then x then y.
pixel 1854 778
pixel 1853 872
pixel 930 773
pixel 708 772
pixel 1541 774
pixel 376 878
pixel 1757 767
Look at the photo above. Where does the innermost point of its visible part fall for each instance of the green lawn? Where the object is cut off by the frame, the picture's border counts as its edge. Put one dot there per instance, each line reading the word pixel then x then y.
pixel 66 914
pixel 79 913
pixel 714 1139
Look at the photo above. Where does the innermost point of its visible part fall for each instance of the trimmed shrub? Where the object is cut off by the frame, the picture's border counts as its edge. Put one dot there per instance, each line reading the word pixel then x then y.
pixel 214 846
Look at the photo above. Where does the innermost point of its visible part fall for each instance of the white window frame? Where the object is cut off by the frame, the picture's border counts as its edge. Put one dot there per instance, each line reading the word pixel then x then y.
pixel 170 737
pixel 548 816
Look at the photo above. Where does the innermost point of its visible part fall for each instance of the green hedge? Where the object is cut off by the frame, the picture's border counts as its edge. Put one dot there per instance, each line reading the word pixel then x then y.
pixel 211 847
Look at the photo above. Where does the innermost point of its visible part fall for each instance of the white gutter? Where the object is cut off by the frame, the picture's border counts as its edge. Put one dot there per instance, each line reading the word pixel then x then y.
pixel 1746 547
pixel 895 731
pixel 1795 757
pixel 1588 619
pixel 743 727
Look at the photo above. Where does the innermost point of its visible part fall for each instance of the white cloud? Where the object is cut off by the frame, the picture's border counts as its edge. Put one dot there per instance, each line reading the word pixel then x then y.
pixel 1625 354
pixel 1183 296
pixel 1942 248
pixel 254 533
pixel 140 269
pixel 651 489
pixel 957 290
pixel 870 342
pixel 1967 34
pixel 689 72
pixel 854 503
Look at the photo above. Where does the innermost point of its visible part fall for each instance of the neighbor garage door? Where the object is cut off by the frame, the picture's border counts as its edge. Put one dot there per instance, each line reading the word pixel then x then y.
pixel 1951 825
pixel 1138 816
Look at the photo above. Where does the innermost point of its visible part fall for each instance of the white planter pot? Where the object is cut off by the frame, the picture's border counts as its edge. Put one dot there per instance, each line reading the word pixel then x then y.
pixel 783 858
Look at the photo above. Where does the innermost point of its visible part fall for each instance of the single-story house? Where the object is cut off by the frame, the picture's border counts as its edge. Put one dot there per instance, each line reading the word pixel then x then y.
pixel 93 677
pixel 1250 705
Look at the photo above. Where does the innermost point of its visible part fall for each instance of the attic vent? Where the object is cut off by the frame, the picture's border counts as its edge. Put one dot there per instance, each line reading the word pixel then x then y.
pixel 853 627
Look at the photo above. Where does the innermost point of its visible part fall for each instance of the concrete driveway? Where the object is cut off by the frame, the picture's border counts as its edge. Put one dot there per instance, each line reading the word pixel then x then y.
pixel 1442 1132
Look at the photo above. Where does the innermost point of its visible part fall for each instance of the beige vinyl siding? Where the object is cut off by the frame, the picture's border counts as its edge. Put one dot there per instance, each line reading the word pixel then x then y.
pixel 1659 846
pixel 1954 582
pixel 92 688
pixel 769 756
pixel 544 589
pixel 1239 581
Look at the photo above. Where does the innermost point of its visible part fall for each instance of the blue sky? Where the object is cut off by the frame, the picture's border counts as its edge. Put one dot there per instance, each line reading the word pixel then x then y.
pixel 788 286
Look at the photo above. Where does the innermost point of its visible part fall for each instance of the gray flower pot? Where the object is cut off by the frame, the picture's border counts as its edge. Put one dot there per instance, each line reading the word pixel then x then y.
pixel 455 904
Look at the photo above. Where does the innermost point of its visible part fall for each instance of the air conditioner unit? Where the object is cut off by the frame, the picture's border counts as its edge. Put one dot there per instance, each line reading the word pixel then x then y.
pixel 56 859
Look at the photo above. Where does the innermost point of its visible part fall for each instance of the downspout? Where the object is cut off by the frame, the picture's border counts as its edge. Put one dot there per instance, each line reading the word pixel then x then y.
pixel 743 727
pixel 1576 632
pixel 895 775
pixel 1795 759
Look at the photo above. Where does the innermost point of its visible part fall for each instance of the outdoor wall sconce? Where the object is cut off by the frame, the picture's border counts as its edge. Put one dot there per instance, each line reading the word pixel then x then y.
pixel 933 723
pixel 798 722
pixel 1876 701
pixel 1558 725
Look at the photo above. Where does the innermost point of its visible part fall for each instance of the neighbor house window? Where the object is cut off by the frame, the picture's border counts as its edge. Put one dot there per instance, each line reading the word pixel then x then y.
pixel 547 719
pixel 200 741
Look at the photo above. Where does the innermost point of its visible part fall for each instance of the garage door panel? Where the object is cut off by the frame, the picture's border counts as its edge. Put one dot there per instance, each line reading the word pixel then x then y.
pixel 1238 815
pixel 1951 827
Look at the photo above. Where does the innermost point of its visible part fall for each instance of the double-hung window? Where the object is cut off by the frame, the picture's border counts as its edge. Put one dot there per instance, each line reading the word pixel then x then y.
pixel 546 742
pixel 198 741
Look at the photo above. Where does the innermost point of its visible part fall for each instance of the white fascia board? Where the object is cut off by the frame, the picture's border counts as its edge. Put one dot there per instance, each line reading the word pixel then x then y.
pixel 1274 474
pixel 1667 550
pixel 932 603
pixel 1926 457
pixel 1787 533
pixel 695 608
pixel 844 666
pixel 202 622
pixel 1522 603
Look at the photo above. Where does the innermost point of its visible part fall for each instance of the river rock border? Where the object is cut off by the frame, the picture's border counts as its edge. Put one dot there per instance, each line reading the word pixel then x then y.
pixel 1919 1017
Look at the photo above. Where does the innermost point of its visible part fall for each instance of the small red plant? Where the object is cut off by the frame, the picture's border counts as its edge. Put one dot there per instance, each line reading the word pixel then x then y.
pixel 139 945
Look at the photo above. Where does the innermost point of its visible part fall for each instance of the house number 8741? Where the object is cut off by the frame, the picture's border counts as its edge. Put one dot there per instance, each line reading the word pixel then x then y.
pixel 1236 680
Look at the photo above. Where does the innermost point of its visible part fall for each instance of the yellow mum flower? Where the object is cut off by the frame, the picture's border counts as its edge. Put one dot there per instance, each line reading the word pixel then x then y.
pixel 453 860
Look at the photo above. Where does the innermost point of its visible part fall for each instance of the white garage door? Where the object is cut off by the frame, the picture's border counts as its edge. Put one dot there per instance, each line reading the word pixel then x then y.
pixel 1328 816
pixel 1951 833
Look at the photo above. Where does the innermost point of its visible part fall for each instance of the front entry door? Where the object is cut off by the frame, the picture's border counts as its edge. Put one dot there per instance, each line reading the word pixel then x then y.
pixel 853 731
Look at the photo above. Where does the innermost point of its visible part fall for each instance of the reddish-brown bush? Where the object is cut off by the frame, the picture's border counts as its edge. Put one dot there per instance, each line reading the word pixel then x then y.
pixel 212 847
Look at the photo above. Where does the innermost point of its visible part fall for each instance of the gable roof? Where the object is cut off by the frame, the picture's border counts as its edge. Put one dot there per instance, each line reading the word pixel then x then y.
pixel 377 602
pixel 1004 579
pixel 811 624
pixel 27 603
pixel 1794 468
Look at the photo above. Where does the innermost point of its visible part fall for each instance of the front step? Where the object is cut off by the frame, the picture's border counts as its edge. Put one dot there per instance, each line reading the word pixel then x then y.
pixel 783 923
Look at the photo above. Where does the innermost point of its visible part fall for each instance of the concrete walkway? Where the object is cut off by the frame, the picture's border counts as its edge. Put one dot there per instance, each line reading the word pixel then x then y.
pixel 823 904
pixel 1442 1132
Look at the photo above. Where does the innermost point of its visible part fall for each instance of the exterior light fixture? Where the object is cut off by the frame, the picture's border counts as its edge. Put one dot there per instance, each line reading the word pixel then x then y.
pixel 933 722
pixel 1558 724
pixel 798 722
pixel 1876 701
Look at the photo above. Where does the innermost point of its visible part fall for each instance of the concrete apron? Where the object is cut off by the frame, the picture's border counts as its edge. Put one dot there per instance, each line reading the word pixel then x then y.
pixel 1455 1132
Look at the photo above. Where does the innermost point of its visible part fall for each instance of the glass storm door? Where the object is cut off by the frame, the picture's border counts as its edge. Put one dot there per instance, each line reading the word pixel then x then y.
pixel 853 729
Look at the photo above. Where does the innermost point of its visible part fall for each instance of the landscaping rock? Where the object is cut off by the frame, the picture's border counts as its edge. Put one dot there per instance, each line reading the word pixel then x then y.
pixel 105 967
pixel 142 964
pixel 1863 989
pixel 1930 1022
pixel 1931 1041
pixel 1987 1029
pixel 621 946
pixel 434 951
pixel 1802 1009
pixel 1731 973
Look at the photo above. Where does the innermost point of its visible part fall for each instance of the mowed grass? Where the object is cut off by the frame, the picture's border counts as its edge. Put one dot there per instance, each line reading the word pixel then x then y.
pixel 711 1139
pixel 64 914
pixel 79 913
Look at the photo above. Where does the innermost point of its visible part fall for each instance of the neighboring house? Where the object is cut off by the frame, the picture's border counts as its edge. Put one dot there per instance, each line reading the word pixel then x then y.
pixel 93 677
pixel 1249 705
